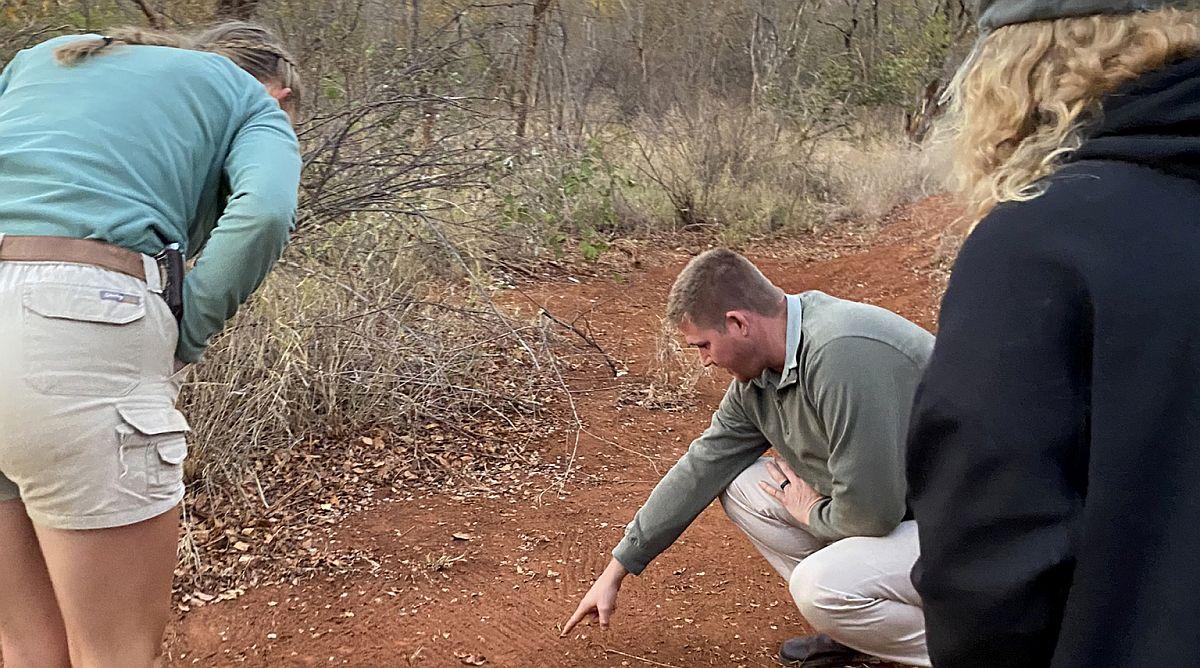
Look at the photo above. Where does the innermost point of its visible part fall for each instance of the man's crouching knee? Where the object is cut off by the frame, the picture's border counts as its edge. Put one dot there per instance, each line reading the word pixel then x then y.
pixel 745 481
pixel 823 603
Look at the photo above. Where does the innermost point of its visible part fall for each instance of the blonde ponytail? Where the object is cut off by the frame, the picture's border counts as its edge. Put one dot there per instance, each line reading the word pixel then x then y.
pixel 251 47
pixel 72 53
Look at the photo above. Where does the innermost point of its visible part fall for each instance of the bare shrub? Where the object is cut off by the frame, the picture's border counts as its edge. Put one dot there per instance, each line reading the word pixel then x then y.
pixel 335 349
pixel 373 359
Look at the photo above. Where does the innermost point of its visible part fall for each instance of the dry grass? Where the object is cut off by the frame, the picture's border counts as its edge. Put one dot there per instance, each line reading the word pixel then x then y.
pixel 670 383
pixel 724 169
pixel 735 174
pixel 869 178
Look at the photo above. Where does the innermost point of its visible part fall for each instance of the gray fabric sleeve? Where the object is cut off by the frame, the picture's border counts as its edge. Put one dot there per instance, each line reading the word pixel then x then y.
pixel 729 445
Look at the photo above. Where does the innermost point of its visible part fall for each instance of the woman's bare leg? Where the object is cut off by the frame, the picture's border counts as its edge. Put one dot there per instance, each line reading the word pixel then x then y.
pixel 114 589
pixel 31 626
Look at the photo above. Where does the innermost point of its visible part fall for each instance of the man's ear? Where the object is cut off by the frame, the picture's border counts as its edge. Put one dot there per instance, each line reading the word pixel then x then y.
pixel 736 322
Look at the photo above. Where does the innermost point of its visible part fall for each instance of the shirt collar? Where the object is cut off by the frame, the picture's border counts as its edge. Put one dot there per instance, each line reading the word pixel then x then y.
pixel 791 361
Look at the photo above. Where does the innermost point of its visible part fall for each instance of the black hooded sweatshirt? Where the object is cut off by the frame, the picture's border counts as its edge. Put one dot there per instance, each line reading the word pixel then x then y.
pixel 1054 447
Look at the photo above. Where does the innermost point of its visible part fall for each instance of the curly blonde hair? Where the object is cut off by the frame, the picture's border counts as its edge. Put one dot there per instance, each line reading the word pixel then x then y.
pixel 1023 100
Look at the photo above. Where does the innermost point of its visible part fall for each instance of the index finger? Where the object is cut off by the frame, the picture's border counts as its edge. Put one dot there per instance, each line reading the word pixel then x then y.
pixel 772 491
pixel 580 613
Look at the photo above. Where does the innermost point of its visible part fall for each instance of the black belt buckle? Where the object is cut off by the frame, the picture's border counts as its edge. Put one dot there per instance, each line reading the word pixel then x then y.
pixel 170 267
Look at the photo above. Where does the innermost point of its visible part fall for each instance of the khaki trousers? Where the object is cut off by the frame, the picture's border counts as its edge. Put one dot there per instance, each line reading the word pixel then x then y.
pixel 856 590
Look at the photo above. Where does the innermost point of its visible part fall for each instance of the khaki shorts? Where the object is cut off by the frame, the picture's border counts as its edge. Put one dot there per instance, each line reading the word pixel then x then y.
pixel 89 434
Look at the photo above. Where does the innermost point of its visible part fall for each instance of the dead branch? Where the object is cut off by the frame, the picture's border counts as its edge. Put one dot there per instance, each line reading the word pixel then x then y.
pixel 612 365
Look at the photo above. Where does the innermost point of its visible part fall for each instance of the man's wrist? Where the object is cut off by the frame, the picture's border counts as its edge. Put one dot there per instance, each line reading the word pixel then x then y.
pixel 615 571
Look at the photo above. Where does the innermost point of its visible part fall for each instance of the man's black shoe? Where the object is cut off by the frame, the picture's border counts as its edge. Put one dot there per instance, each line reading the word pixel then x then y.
pixel 819 651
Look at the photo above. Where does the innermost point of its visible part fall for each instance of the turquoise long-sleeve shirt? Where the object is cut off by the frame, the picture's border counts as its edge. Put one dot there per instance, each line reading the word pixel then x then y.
pixel 144 146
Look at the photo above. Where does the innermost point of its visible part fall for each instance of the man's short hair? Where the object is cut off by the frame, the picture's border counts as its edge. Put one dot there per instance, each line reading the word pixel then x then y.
pixel 716 282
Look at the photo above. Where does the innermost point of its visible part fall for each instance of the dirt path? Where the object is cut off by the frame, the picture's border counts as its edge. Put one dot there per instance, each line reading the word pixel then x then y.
pixel 498 597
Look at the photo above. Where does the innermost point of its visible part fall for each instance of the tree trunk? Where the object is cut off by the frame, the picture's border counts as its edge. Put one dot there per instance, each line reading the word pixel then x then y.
pixel 566 94
pixel 754 61
pixel 529 60
pixel 414 24
pixel 635 16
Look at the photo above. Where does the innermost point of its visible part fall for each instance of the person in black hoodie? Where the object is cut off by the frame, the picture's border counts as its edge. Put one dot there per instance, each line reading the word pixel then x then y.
pixel 1054 447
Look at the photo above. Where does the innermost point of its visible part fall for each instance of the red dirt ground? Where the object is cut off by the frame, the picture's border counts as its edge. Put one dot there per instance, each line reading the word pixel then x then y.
pixel 709 601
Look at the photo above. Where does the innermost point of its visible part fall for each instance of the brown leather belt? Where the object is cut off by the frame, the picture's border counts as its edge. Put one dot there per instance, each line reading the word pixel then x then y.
pixel 79 251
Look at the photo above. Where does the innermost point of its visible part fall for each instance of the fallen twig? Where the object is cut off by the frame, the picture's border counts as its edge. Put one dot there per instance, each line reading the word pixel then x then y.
pixel 638 658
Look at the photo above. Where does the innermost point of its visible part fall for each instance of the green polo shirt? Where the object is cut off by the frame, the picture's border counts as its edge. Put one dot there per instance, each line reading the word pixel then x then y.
pixel 837 413
pixel 144 146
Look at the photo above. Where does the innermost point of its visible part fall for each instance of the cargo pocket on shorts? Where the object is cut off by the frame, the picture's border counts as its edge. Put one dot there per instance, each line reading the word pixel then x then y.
pixel 153 447
pixel 83 340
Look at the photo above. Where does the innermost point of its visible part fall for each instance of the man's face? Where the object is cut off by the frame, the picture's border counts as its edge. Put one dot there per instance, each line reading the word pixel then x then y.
pixel 732 350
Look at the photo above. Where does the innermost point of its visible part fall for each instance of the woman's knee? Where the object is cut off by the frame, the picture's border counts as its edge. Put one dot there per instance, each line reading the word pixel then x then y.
pixel 131 636
pixel 140 651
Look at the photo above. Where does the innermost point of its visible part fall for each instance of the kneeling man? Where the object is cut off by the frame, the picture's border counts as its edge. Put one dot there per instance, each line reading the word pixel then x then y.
pixel 828 384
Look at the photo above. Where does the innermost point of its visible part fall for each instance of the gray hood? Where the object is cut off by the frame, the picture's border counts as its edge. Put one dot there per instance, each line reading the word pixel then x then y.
pixel 994 14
